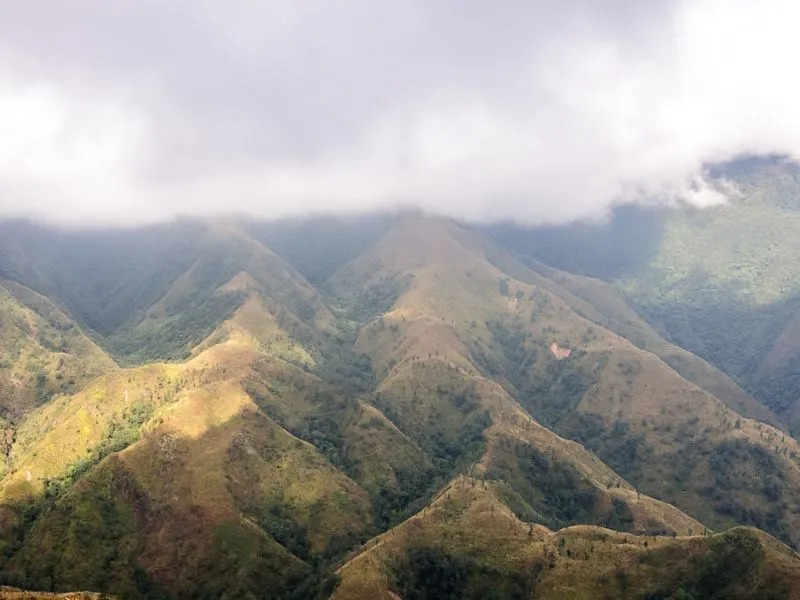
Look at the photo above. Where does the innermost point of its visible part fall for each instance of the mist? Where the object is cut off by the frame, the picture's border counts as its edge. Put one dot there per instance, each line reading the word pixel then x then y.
pixel 134 112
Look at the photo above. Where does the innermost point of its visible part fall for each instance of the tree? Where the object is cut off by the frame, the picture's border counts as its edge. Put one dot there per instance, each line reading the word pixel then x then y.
pixel 503 287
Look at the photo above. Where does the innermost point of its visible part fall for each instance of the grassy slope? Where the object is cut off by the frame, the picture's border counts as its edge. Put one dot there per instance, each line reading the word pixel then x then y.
pixel 747 246
pixel 725 283
pixel 153 293
pixel 228 266
pixel 207 474
pixel 431 389
pixel 42 352
pixel 287 382
pixel 606 305
pixel 200 488
pixel 627 404
pixel 474 547
pixel 634 410
pixel 269 451
pixel 722 282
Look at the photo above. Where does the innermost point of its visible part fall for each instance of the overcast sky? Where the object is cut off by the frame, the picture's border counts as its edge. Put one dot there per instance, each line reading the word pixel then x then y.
pixel 130 111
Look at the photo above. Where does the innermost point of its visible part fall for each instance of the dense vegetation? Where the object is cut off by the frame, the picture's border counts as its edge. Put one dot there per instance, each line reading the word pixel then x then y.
pixel 549 389
pixel 432 574
pixel 553 493
pixel 582 563
pixel 722 282
pixel 451 436
pixel 599 249
pixel 318 423
pixel 726 570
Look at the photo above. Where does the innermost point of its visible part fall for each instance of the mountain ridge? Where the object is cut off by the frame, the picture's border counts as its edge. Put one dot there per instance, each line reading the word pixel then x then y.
pixel 293 423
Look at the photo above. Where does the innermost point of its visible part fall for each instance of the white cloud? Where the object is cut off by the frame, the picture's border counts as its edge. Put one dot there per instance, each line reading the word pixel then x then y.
pixel 547 111
pixel 67 159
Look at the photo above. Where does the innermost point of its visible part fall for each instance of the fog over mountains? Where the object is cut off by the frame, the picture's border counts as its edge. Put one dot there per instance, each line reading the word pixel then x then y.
pixel 399 301
pixel 399 404
pixel 537 111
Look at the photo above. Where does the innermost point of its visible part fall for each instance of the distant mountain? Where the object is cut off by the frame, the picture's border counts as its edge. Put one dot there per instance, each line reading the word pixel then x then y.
pixel 722 282
pixel 43 352
pixel 372 414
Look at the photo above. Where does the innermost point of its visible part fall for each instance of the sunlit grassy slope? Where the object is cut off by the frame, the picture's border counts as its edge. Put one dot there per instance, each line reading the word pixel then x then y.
pixel 42 352
pixel 213 484
pixel 606 305
pixel 409 414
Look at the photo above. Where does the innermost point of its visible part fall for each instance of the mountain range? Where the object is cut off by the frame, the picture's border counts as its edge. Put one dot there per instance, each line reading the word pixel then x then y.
pixel 405 406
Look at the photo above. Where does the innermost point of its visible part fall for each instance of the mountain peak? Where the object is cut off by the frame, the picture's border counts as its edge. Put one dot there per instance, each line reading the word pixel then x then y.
pixel 416 242
pixel 293 424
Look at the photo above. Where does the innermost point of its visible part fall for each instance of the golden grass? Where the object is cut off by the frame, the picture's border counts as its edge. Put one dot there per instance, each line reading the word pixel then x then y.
pixel 414 393
pixel 582 562
pixel 424 343
pixel 68 428
pixel 211 462
pixel 42 351
pixel 441 317
pixel 205 474
pixel 233 464
pixel 14 594
pixel 603 304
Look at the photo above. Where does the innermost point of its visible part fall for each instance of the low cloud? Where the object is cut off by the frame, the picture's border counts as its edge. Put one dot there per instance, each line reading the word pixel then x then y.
pixel 130 112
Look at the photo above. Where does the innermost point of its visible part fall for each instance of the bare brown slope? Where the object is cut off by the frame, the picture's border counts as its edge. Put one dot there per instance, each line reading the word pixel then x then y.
pixel 663 433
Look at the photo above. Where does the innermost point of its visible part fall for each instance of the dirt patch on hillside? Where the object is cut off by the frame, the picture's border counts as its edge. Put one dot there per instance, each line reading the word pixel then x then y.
pixel 559 352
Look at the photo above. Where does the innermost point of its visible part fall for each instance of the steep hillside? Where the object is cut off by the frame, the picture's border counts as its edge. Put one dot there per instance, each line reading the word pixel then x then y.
pixel 721 282
pixel 606 305
pixel 201 487
pixel 467 545
pixel 153 293
pixel 229 265
pixel 42 352
pixel 169 463
pixel 672 439
pixel 319 246
pixel 101 277
pixel 435 406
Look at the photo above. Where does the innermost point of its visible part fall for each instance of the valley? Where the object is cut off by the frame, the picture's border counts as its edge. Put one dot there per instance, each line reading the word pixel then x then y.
pixel 191 413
